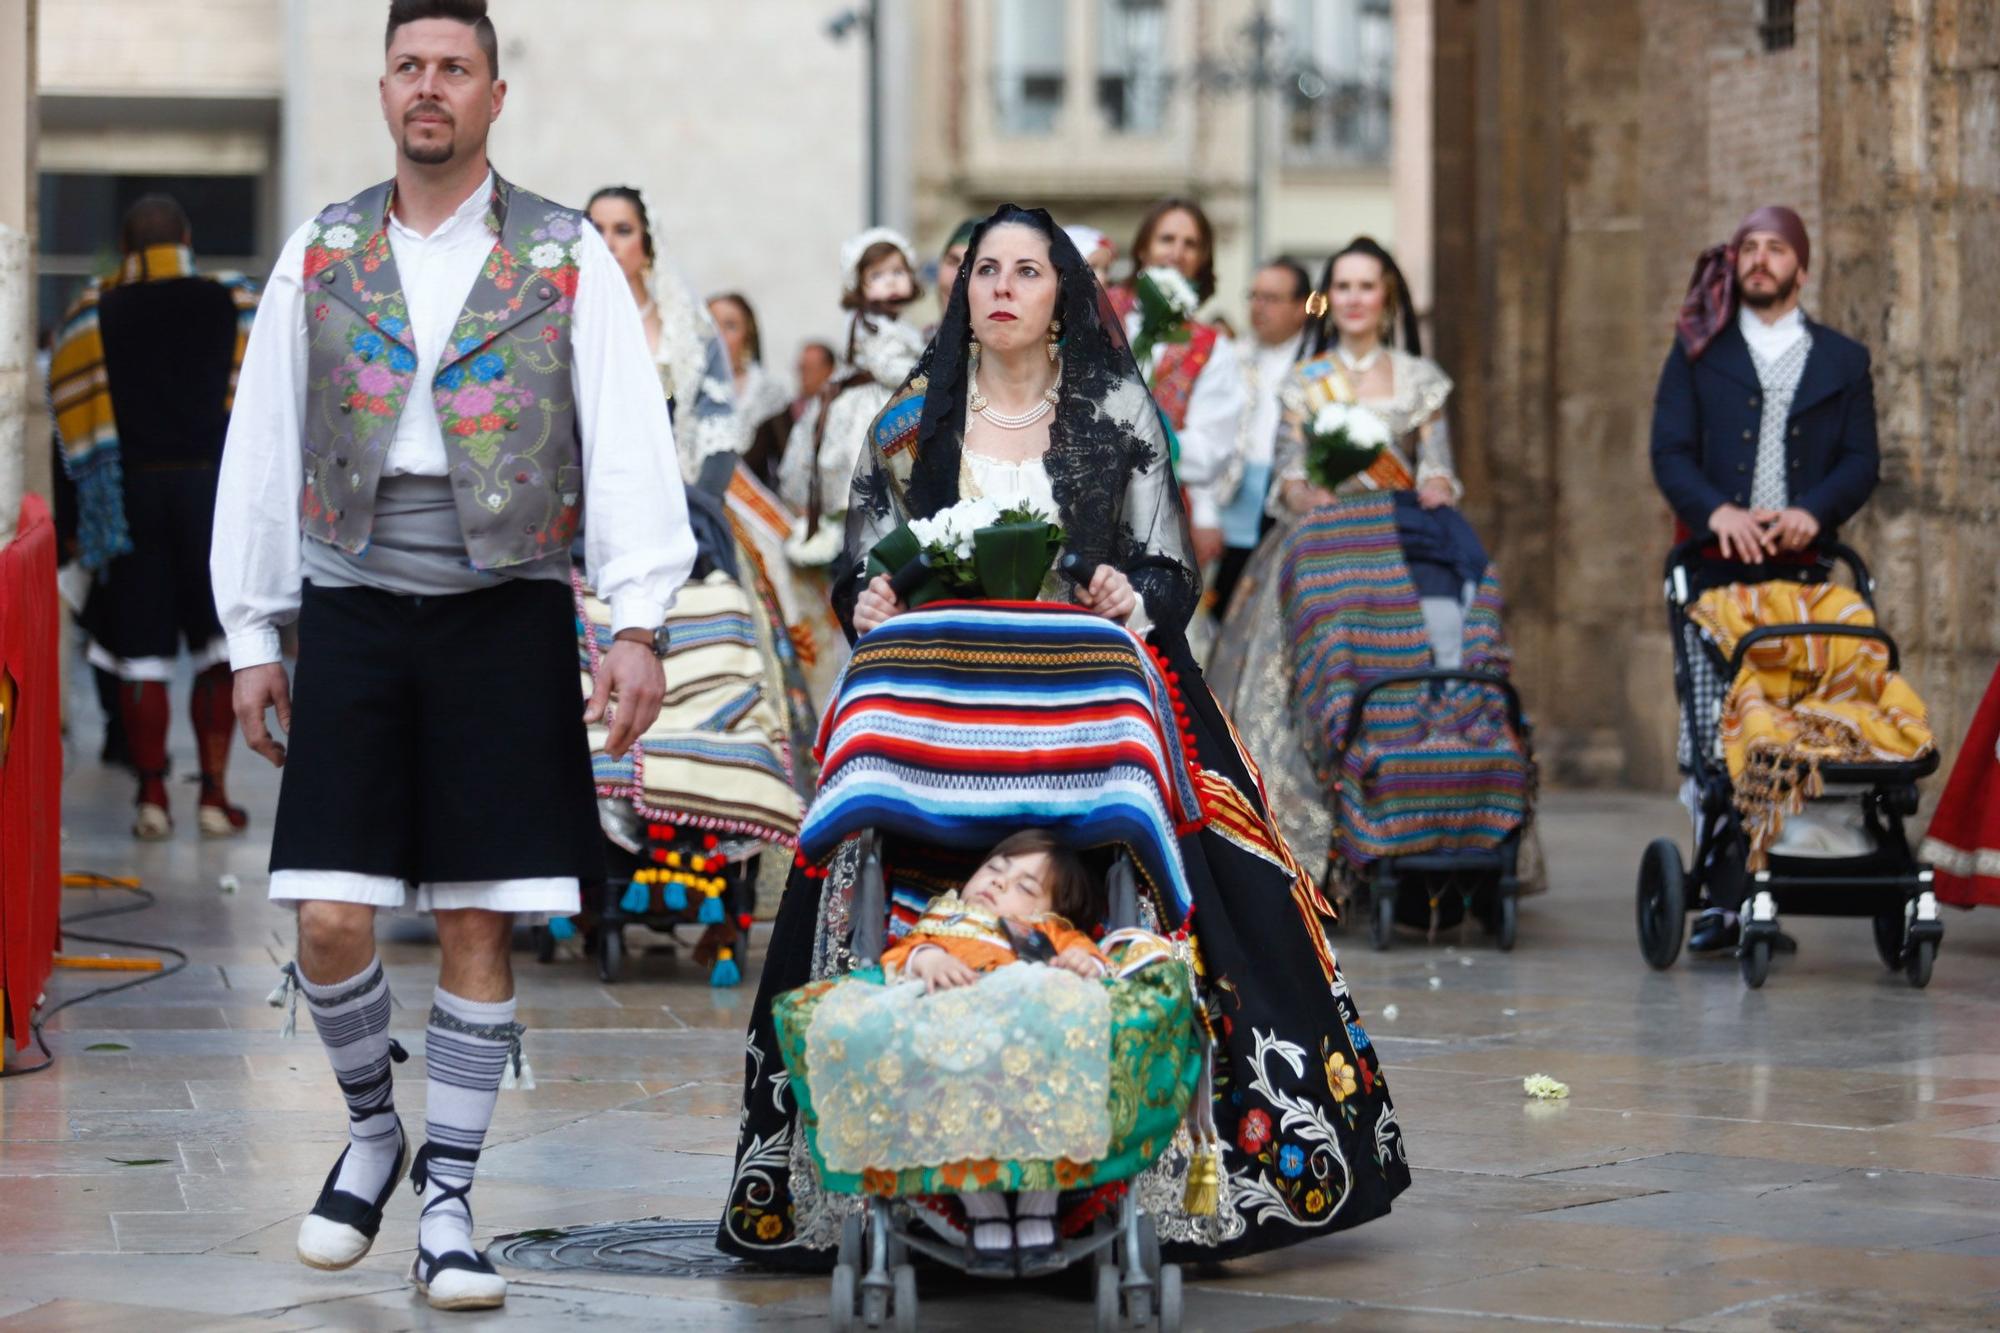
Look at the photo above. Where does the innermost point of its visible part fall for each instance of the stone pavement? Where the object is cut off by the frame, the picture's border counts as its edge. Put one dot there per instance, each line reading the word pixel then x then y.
pixel 1823 1154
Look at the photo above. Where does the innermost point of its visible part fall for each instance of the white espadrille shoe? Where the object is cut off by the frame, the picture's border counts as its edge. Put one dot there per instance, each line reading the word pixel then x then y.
pixel 340 1229
pixel 458 1281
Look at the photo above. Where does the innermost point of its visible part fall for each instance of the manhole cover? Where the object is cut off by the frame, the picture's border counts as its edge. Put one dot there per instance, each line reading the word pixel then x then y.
pixel 657 1246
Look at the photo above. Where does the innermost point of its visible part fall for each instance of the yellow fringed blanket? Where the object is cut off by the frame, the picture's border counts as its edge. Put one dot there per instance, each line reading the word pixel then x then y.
pixel 1806 700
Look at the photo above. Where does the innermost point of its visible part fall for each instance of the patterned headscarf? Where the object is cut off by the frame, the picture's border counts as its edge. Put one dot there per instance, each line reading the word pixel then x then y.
pixel 1710 302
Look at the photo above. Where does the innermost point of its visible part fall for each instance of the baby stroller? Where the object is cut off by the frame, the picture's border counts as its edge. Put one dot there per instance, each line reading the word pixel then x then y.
pixel 1860 864
pixel 1403 694
pixel 1451 885
pixel 873 1279
pixel 689 811
pixel 928 749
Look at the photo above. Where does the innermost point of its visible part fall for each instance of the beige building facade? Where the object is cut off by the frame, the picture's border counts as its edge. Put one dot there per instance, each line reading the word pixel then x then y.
pixel 743 126
pixel 1097 108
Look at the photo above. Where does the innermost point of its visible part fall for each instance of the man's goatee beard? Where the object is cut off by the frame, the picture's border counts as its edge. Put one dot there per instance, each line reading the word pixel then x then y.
pixel 1764 300
pixel 429 156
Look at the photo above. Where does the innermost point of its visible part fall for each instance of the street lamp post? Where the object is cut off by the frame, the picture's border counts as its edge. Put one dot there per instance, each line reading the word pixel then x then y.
pixel 1262 71
pixel 865 20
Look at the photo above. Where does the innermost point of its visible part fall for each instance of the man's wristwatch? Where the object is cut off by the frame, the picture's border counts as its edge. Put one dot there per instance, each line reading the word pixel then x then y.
pixel 657 638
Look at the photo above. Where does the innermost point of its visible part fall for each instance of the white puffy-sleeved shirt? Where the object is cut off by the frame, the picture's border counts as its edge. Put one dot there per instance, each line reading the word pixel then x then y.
pixel 638 547
pixel 1213 431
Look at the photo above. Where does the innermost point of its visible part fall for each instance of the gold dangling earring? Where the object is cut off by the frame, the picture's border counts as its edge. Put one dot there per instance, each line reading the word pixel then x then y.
pixel 1055 341
pixel 977 400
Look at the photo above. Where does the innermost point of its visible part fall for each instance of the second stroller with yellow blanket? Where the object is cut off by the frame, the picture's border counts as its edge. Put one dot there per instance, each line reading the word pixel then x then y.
pixel 1802 748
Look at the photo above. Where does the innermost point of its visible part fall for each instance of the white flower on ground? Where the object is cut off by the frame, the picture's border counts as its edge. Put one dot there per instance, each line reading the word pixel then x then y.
pixel 1543 1087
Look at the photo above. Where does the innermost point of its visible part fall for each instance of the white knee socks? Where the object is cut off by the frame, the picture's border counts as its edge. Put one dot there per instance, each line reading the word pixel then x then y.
pixel 352 1019
pixel 465 1051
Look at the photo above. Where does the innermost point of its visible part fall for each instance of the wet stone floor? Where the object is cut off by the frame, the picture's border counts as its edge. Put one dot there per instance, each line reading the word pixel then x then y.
pixel 1823 1154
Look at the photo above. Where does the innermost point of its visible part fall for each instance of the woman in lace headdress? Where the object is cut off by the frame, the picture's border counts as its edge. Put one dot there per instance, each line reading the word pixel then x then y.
pixel 759 393
pixel 1363 309
pixel 1029 390
pixel 742 524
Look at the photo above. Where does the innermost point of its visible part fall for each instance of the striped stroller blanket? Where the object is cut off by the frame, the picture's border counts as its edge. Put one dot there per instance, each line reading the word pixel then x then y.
pixel 717 758
pixel 1434 768
pixel 961 722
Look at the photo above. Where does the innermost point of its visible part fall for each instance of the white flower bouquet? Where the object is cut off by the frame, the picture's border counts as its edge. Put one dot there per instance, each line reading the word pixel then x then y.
pixel 975 548
pixel 1343 439
pixel 1167 301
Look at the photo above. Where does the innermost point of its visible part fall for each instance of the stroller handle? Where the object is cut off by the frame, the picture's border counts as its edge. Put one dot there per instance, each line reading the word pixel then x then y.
pixel 1824 556
pixel 1078 568
pixel 1366 692
pixel 1765 633
pixel 910 577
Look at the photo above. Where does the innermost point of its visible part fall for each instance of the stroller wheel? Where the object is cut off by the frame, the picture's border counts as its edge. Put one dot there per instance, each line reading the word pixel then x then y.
pixel 840 1299
pixel 903 1304
pixel 1756 958
pixel 1107 1298
pixel 1170 1299
pixel 610 952
pixel 1917 966
pixel 1662 903
pixel 1384 929
pixel 1507 922
pixel 1889 939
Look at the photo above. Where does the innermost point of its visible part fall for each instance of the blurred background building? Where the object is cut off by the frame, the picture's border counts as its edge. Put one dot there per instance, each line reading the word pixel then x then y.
pixel 1097 108
pixel 1545 169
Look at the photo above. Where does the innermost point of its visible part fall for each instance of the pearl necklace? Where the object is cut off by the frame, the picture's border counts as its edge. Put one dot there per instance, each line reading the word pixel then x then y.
pixel 1007 420
pixel 1359 365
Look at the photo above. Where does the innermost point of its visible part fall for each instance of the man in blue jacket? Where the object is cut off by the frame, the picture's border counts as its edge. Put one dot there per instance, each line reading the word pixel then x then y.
pixel 1763 431
pixel 1764 421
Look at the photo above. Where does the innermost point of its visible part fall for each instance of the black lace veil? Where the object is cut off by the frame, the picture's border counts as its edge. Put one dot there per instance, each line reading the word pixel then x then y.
pixel 1108 462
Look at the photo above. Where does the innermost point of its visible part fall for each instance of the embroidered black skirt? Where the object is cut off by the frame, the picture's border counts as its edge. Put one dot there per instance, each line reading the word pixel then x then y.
pixel 439 739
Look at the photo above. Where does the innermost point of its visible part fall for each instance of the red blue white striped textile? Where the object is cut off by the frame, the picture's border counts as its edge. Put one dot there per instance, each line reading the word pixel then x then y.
pixel 961 722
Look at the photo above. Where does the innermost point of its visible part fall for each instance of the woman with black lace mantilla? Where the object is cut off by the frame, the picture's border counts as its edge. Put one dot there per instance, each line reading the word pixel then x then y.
pixel 1029 390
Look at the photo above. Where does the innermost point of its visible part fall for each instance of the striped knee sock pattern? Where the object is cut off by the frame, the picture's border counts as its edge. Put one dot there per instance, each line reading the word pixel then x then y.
pixel 465 1050
pixel 352 1019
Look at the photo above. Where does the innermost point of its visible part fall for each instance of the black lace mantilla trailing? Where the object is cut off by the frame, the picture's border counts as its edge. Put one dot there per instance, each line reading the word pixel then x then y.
pixel 1108 461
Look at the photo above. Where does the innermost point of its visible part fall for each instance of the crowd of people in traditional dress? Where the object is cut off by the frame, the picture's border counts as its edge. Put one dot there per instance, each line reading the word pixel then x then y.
pixel 464 425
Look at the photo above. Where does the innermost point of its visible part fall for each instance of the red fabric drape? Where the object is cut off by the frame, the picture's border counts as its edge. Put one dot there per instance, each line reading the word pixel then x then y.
pixel 31 770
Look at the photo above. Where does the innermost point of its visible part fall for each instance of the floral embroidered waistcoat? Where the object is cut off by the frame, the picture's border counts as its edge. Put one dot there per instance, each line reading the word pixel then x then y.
pixel 502 390
pixel 1176 369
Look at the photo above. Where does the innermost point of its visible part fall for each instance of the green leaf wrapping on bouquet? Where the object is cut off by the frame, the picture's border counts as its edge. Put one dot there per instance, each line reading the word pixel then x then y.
pixel 1332 459
pixel 1160 321
pixel 895 551
pixel 1013 559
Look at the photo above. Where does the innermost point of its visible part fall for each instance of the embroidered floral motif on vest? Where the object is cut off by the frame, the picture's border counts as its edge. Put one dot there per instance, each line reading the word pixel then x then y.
pixel 502 388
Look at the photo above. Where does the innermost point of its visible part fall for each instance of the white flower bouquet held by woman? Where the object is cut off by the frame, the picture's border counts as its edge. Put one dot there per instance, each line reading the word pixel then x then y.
pixel 975 549
pixel 1342 440
pixel 1167 301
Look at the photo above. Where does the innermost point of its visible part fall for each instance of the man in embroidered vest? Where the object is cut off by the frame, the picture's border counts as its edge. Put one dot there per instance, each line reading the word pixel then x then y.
pixel 448 377
pixel 140 380
pixel 1763 433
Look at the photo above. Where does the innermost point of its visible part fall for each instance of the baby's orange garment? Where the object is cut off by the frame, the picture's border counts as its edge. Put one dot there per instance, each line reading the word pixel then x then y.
pixel 983 954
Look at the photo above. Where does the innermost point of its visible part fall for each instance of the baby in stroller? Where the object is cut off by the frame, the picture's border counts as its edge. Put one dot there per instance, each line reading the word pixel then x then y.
pixel 1024 905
